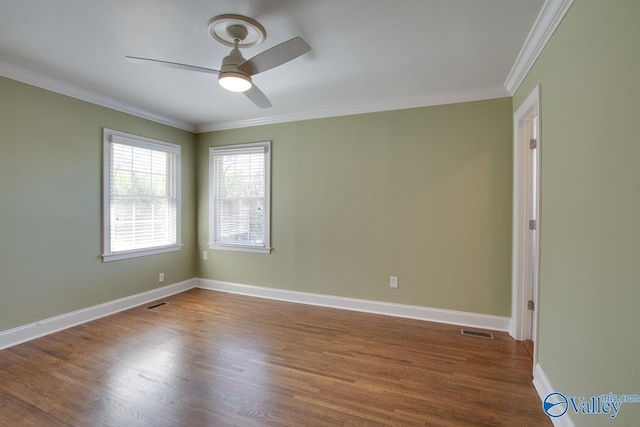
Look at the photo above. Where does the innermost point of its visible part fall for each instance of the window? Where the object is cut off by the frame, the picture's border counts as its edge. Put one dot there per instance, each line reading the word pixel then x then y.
pixel 141 210
pixel 239 178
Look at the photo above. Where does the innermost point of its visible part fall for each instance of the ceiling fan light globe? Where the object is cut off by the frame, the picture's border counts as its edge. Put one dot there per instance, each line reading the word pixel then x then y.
pixel 235 82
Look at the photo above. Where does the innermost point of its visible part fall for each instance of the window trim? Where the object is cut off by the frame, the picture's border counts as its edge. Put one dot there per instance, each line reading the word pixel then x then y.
pixel 213 244
pixel 111 136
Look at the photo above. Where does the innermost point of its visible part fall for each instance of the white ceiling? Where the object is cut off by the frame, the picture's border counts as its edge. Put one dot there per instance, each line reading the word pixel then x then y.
pixel 366 55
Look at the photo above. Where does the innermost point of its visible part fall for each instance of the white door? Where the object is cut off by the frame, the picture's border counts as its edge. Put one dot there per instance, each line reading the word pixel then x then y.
pixel 526 220
pixel 531 225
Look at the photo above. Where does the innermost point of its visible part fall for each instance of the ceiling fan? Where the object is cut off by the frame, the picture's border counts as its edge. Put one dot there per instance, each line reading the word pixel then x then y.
pixel 235 73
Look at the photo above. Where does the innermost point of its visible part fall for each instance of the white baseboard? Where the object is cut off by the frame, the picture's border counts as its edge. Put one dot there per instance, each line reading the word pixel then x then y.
pixel 34 330
pixel 543 387
pixel 482 321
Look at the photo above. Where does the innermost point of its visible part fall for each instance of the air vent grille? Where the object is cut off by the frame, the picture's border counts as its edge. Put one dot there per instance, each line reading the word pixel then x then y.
pixel 478 334
pixel 160 304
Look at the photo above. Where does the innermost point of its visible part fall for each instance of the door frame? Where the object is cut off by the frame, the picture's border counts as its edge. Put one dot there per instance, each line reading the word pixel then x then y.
pixel 521 195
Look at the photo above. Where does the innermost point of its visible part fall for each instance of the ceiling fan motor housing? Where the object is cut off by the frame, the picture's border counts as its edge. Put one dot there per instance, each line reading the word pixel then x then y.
pixel 229 69
pixel 231 62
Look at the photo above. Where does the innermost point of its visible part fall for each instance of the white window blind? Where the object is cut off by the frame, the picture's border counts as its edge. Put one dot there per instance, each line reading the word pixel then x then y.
pixel 239 194
pixel 141 196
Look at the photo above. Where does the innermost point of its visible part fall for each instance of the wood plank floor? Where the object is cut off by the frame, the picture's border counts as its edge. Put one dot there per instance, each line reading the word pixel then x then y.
pixel 212 359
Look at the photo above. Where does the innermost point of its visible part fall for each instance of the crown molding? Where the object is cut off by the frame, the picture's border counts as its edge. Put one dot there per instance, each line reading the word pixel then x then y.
pixel 550 16
pixel 35 79
pixel 548 20
pixel 546 23
pixel 451 97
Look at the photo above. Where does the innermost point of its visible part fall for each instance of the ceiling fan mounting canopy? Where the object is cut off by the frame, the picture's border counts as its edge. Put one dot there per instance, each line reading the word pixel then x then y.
pixel 227 28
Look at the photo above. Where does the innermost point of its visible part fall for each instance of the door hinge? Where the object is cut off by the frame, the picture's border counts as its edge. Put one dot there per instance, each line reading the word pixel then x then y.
pixel 530 305
pixel 532 224
pixel 533 143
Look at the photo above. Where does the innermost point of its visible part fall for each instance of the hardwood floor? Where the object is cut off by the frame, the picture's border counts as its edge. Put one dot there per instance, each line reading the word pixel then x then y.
pixel 212 359
pixel 528 345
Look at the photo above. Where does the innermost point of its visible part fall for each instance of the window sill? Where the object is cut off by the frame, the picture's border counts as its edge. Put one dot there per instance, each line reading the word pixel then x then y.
pixel 114 256
pixel 240 248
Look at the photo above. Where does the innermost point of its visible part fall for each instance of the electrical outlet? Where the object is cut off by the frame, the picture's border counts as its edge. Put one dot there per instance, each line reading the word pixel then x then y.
pixel 393 282
pixel 161 277
pixel 205 255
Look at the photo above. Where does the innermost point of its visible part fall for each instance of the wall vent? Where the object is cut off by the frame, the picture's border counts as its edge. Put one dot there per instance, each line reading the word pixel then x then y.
pixel 479 334
pixel 160 304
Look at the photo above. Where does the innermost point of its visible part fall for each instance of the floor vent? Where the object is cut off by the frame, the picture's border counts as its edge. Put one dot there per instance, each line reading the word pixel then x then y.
pixel 476 334
pixel 160 304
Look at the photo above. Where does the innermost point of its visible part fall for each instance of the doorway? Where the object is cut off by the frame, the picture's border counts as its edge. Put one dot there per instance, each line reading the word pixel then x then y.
pixel 526 222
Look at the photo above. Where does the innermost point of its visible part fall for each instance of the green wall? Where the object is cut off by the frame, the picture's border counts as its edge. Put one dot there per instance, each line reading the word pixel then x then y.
pixel 50 207
pixel 590 233
pixel 423 194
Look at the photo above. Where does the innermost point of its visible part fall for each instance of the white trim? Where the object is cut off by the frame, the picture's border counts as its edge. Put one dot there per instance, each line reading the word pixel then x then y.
pixel 520 218
pixel 48 326
pixel 263 147
pixel 240 248
pixel 483 321
pixel 110 137
pixel 21 334
pixel 451 97
pixel 135 253
pixel 543 388
pixel 548 20
pixel 39 80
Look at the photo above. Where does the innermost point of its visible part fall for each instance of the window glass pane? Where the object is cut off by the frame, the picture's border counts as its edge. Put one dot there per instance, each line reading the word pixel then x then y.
pixel 122 182
pixel 142 234
pixel 122 236
pixel 239 192
pixel 121 156
pixel 241 175
pixel 121 209
pixel 141 160
pixel 242 221
pixel 141 184
pixel 142 194
pixel 158 185
pixel 160 210
pixel 142 210
pixel 158 162
pixel 160 232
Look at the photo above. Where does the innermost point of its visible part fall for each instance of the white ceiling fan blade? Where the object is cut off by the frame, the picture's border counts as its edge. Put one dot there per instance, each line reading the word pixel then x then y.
pixel 257 97
pixel 168 64
pixel 277 55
